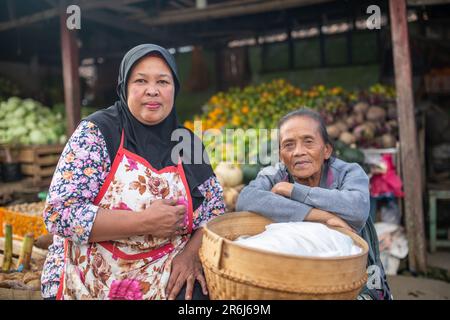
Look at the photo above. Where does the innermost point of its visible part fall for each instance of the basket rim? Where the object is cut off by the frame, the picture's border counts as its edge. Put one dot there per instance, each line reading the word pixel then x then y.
pixel 365 248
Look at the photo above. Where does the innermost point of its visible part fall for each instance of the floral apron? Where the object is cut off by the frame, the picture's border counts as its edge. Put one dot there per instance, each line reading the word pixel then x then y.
pixel 136 268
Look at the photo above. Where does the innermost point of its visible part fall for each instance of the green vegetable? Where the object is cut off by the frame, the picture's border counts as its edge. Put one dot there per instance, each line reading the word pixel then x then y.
pixel 352 155
pixel 28 122
pixel 250 172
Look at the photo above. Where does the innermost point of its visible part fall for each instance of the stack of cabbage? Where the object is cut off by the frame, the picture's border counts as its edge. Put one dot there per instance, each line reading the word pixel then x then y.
pixel 28 122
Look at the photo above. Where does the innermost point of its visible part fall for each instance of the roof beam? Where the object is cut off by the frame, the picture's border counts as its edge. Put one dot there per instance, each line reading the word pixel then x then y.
pixel 227 9
pixel 188 3
pixel 53 12
pixel 122 23
pixel 176 5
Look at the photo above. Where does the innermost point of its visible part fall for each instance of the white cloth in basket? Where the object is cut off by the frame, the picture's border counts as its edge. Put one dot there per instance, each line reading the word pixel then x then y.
pixel 302 239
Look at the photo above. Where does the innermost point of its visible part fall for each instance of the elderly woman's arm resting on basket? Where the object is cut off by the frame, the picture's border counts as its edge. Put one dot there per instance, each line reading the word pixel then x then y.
pixel 282 201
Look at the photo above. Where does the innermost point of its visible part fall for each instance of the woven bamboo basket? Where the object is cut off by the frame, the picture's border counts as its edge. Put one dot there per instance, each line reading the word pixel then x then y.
pixel 233 271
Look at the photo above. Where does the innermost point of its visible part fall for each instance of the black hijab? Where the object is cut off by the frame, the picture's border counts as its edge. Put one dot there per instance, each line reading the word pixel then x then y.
pixel 151 142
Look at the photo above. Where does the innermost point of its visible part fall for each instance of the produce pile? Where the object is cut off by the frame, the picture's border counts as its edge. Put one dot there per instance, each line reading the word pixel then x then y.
pixel 24 218
pixel 21 263
pixel 31 208
pixel 262 106
pixel 231 179
pixel 355 119
pixel 28 122
pixel 30 280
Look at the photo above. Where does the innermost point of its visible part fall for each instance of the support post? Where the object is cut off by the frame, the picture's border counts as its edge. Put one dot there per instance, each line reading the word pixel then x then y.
pixel 70 64
pixel 408 136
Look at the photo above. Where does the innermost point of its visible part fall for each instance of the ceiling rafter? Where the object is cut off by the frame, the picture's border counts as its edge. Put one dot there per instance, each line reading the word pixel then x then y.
pixel 222 10
pixel 55 11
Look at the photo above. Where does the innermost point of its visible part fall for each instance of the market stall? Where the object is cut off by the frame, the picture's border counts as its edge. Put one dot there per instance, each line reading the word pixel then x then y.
pixel 278 56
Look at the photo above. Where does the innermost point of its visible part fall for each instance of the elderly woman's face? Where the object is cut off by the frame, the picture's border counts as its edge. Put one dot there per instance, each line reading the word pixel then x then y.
pixel 302 148
pixel 150 90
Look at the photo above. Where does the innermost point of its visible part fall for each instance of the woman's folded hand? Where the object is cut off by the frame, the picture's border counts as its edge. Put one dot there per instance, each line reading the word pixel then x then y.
pixel 338 222
pixel 327 218
pixel 164 218
pixel 283 189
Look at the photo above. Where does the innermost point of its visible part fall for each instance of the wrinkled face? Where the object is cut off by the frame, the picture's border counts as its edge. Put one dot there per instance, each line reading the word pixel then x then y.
pixel 150 90
pixel 302 148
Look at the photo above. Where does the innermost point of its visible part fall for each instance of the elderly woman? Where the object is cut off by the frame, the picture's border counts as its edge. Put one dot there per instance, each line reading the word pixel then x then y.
pixel 309 184
pixel 126 216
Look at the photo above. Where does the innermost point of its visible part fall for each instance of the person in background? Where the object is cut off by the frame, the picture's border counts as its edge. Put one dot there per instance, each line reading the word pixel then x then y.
pixel 126 217
pixel 310 184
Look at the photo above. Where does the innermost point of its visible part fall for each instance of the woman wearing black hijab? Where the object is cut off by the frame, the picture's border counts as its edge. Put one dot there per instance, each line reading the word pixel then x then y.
pixel 126 211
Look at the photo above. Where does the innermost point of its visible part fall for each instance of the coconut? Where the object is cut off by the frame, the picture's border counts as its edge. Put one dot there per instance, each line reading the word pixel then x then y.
pixel 365 130
pixel 333 131
pixel 230 196
pixel 347 138
pixel 376 113
pixel 229 175
pixel 361 107
pixel 342 126
pixel 351 121
pixel 388 141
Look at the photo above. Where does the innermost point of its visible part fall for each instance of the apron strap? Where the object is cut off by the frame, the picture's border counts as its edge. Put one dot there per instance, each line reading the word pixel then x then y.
pixel 121 139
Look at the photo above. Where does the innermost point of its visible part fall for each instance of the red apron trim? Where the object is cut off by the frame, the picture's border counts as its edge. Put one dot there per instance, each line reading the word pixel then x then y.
pixel 109 178
pixel 154 254
pixel 115 165
pixel 188 193
pixel 59 294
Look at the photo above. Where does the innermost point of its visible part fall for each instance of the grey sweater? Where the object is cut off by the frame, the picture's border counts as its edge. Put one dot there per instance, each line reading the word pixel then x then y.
pixel 343 190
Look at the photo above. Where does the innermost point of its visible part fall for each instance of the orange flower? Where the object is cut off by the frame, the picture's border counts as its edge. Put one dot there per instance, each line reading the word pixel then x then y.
pixel 313 94
pixel 189 125
pixel 67 175
pixel 69 202
pixel 79 230
pixel 53 217
pixel 245 110
pixel 89 171
pixel 236 121
pixel 336 90
pixel 214 100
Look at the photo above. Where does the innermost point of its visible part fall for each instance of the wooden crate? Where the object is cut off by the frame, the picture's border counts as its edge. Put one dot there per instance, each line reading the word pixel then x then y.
pixel 39 162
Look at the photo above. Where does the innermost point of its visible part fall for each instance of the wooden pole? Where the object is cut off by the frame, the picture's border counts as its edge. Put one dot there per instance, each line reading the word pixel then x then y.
pixel 70 57
pixel 408 136
pixel 24 262
pixel 8 251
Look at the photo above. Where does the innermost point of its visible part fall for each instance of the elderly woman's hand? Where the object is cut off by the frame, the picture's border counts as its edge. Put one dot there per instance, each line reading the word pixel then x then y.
pixel 283 189
pixel 187 268
pixel 327 218
pixel 338 222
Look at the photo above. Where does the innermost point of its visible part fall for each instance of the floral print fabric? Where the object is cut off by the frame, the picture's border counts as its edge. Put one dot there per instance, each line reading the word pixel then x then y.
pixel 81 172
